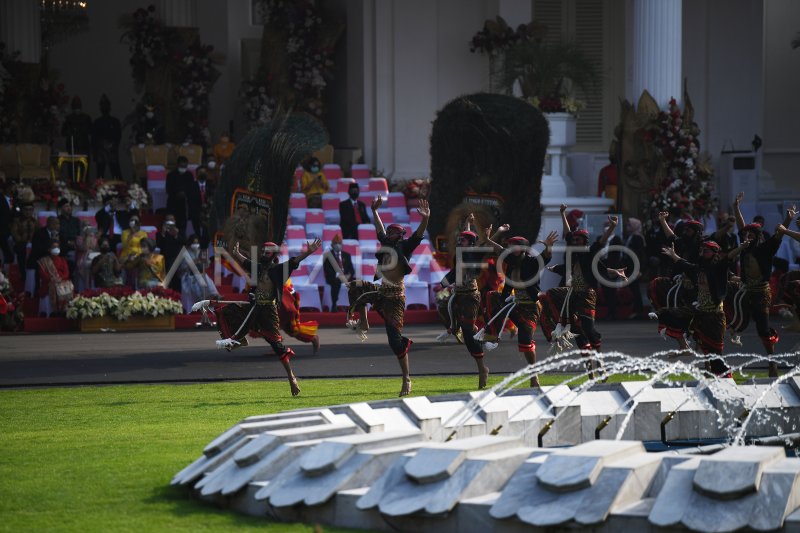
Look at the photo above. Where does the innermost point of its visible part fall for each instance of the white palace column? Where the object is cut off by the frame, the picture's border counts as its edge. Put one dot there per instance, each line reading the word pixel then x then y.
pixel 655 50
pixel 20 29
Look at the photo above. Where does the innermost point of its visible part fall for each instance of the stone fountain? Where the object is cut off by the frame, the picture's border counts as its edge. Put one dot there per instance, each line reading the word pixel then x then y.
pixel 631 456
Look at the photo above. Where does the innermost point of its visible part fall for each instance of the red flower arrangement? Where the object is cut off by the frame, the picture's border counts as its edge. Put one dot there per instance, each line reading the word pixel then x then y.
pixel 687 183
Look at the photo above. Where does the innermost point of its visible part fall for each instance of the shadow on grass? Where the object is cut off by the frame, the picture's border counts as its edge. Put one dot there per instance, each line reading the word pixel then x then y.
pixel 183 503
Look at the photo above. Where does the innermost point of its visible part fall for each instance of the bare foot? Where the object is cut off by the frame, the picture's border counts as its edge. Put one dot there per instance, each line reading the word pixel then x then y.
pixel 315 344
pixel 294 386
pixel 535 381
pixel 406 389
pixel 483 377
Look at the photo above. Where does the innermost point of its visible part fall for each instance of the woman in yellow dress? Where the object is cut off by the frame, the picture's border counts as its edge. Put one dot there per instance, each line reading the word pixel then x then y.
pixel 132 237
pixel 148 264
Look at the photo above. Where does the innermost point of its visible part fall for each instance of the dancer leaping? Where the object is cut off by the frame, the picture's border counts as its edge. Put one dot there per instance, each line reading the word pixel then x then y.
pixel 388 298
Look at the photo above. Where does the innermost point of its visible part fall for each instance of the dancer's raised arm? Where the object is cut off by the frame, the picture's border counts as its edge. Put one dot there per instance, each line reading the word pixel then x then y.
pixel 737 211
pixel 425 212
pixel 376 218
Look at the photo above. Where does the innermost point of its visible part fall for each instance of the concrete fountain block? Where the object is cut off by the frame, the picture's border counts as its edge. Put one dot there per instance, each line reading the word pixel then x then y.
pixel 618 485
pixel 475 477
pixel 515 493
pixel 244 428
pixel 438 461
pixel 734 472
pixel 675 494
pixel 205 464
pixel 259 458
pixel 328 455
pixel 578 467
pixel 360 469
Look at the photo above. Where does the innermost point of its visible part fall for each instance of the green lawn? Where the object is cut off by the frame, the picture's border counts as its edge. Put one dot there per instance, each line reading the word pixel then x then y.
pixel 101 458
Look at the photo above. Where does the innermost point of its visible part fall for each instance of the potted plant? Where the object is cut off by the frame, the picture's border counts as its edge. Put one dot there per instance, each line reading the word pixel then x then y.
pixel 546 74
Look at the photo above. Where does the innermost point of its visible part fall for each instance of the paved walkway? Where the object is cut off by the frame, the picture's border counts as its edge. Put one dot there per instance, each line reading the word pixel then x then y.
pixel 191 356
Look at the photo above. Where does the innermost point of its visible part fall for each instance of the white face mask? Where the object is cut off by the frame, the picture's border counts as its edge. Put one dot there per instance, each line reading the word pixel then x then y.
pixel 212 164
pixel 182 169
pixel 132 223
pixel 195 246
pixel 55 251
pixel 149 114
pixel 337 247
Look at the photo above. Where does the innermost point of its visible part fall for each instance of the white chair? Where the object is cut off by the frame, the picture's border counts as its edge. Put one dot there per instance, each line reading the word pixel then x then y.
pixel 416 293
pixel 295 235
pixel 341 301
pixel 297 207
pixel 309 295
pixel 314 222
pixel 330 207
pixel 360 171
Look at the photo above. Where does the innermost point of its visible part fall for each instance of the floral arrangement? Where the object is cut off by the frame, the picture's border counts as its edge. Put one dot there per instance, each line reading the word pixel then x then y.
pixel 122 303
pixel 259 106
pixel 120 189
pixel 417 188
pixel 561 104
pixel 147 42
pixel 687 183
pixel 295 71
pixel 546 74
pixel 138 195
pixel 196 76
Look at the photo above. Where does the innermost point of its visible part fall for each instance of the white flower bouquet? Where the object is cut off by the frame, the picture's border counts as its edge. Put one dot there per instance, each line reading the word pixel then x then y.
pixel 138 195
pixel 146 305
pixel 122 308
pixel 83 307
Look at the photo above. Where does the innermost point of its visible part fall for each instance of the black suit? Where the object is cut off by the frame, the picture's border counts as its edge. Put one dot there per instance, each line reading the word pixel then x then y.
pixel 178 189
pixel 197 201
pixel 105 225
pixel 347 218
pixel 332 270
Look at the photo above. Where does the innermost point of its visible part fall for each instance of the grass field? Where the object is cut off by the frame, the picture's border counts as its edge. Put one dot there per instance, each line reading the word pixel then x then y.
pixel 101 458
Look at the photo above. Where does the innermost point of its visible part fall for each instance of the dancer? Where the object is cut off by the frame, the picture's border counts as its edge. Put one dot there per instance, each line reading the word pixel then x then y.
pixel 675 290
pixel 289 317
pixel 522 271
pixel 705 319
pixel 754 298
pixel 460 310
pixel 388 298
pixel 573 306
pixel 261 318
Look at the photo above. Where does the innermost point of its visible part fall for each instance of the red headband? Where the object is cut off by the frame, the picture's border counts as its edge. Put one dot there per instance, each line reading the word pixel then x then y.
pixel 711 245
pixel 518 241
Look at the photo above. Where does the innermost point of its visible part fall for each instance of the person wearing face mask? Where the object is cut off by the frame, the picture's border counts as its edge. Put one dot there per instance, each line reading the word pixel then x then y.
pixel 132 237
pixel 170 241
pixel 179 181
pixel 106 267
pixel 213 170
pixel 149 129
pixel 148 264
pixel 338 267
pixel 54 279
pixel 352 212
pixel 196 286
pixel 314 183
pixel 87 247
pixel 389 298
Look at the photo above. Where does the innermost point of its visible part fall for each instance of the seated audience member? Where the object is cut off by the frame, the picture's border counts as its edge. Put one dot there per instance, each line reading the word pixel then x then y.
pixel 352 212
pixel 193 287
pixel 111 219
pixel 169 242
pixel 132 237
pixel 314 183
pixel 88 248
pixel 54 279
pixel 106 267
pixel 68 232
pixel 148 264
